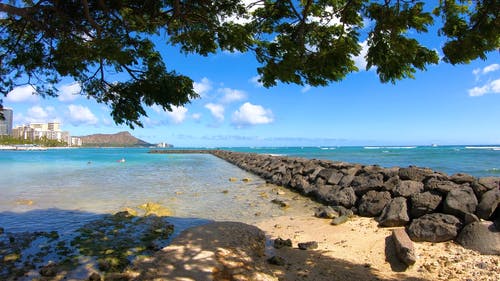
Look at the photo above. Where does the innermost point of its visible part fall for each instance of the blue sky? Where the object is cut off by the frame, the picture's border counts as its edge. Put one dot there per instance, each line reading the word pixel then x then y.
pixel 443 105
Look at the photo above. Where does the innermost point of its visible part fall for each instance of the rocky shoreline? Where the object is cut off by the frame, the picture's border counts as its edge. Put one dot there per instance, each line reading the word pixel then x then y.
pixel 433 206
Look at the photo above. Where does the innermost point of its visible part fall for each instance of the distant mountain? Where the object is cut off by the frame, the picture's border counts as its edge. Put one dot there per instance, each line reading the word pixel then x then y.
pixel 119 139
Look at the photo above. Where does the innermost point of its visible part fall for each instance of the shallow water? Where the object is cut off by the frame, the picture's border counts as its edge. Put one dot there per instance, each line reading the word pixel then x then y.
pixel 64 189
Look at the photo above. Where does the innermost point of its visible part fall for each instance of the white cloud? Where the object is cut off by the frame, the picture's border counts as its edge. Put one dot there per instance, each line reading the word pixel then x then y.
pixel 255 80
pixel 492 87
pixel 81 115
pixel 196 116
pixel 38 112
pixel 22 94
pixel 478 72
pixel 250 114
pixel 491 68
pixel 203 86
pixel 177 115
pixel 360 60
pixel 231 95
pixel 305 89
pixel 69 92
pixel 217 111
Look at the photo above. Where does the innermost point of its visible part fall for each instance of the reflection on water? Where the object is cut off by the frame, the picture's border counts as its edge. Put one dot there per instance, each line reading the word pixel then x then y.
pixel 191 186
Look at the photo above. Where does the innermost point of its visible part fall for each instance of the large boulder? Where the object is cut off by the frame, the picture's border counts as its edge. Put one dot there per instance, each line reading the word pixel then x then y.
pixel 460 201
pixel 489 203
pixel 483 237
pixel 436 227
pixel 424 203
pixel 413 173
pixel 461 178
pixel 406 188
pixel 331 176
pixel 365 182
pixel 441 186
pixel 336 195
pixel 395 213
pixel 373 202
pixel 485 184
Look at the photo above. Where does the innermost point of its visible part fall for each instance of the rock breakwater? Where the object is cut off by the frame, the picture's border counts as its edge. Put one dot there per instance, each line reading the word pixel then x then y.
pixel 432 205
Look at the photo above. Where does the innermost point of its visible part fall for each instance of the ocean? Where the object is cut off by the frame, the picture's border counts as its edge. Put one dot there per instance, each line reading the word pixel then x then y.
pixel 61 189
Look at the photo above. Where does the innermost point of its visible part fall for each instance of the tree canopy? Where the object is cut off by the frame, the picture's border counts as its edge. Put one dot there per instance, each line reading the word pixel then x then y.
pixel 304 42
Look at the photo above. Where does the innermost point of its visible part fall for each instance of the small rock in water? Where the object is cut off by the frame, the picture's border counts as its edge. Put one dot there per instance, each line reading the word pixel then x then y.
pixel 233 179
pixel 94 277
pixel 246 180
pixel 49 270
pixel 280 243
pixel 1 230
pixel 280 203
pixel 308 245
pixel 276 260
pixel 225 191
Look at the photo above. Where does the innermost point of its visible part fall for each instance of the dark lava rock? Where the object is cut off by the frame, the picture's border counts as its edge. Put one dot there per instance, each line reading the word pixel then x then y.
pixel 470 218
pixel 373 202
pixel 1 230
pixel 395 213
pixel 276 260
pixel 460 201
pixel 391 183
pixel 331 176
pixel 326 212
pixel 489 203
pixel 340 220
pixel 483 237
pixel 406 188
pixel 413 173
pixel 424 203
pixel 436 227
pixel 49 270
pixel 308 245
pixel 337 195
pixel 461 178
pixel 343 211
pixel 281 203
pixel 441 186
pixel 365 182
pixel 94 277
pixel 490 182
pixel 280 243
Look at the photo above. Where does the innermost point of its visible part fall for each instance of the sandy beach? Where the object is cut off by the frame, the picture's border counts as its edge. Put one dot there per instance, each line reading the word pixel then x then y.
pixel 356 250
pixel 360 250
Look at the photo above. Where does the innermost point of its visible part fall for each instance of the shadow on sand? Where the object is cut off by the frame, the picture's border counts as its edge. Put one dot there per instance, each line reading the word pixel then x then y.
pixel 235 251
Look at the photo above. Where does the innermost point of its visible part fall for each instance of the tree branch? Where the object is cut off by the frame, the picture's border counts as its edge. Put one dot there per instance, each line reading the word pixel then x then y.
pixel 89 18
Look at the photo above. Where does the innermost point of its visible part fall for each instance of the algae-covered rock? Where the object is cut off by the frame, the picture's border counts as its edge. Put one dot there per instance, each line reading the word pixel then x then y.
pixel 26 202
pixel 246 180
pixel 115 240
pixel 151 208
pixel 11 257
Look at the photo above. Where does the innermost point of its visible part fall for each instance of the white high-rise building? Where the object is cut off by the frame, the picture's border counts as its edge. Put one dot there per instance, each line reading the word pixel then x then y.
pixel 6 123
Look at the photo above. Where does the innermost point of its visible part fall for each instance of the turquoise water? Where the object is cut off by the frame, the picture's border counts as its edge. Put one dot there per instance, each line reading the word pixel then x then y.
pixel 65 188
pixel 480 161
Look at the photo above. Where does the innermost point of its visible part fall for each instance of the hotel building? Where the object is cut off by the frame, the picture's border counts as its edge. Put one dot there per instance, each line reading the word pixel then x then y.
pixel 6 123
